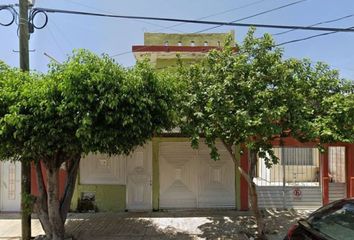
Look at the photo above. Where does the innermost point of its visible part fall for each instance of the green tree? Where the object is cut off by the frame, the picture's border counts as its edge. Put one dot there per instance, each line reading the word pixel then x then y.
pixel 87 104
pixel 251 96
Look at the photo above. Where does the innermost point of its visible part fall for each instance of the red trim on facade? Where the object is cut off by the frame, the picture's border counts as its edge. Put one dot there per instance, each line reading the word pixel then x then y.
pixel 292 142
pixel 324 176
pixel 350 170
pixel 34 185
pixel 325 190
pixel 154 48
pixel 244 206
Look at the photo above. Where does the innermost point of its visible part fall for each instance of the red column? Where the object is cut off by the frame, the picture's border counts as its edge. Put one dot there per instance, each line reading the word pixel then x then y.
pixel 324 176
pixel 243 184
pixel 350 170
pixel 34 184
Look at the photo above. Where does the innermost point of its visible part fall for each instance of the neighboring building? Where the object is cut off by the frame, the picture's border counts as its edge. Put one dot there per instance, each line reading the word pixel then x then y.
pixel 163 49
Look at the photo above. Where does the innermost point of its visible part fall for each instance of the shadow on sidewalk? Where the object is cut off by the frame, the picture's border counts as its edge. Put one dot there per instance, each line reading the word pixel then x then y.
pixel 111 226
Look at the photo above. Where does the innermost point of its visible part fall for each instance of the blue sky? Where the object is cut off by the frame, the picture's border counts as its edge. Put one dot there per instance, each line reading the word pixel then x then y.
pixel 116 36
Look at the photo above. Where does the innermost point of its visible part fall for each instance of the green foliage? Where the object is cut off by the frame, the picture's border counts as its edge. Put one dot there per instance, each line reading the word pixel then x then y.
pixel 318 102
pixel 11 85
pixel 253 95
pixel 27 201
pixel 87 104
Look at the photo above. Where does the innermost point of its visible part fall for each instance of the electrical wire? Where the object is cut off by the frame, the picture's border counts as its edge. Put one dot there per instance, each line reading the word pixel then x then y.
pixel 307 38
pixel 313 27
pixel 50 10
pixel 179 24
pixel 215 14
pixel 56 42
pixel 64 36
pixel 13 13
pixel 33 14
pixel 316 24
pixel 97 9
pixel 255 15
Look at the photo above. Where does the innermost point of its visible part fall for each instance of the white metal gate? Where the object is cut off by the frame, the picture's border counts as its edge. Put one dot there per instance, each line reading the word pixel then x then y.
pixel 293 182
pixel 190 179
pixel 336 172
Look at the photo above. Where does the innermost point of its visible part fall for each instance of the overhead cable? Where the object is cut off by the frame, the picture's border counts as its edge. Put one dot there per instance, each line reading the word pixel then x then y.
pixel 316 24
pixel 216 14
pixel 13 13
pixel 254 15
pixel 309 37
pixel 50 10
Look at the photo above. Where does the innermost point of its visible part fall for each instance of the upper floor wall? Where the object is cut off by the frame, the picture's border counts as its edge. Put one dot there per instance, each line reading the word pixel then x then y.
pixel 187 39
pixel 163 49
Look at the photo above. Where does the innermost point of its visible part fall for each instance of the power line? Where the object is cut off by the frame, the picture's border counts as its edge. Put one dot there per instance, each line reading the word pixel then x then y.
pixel 49 10
pixel 255 15
pixel 212 15
pixel 98 9
pixel 215 14
pixel 316 24
pixel 309 37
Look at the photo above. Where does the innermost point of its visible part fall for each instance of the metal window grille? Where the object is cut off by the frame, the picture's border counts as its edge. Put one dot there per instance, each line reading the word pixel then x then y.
pixel 296 166
pixel 298 156
pixel 336 162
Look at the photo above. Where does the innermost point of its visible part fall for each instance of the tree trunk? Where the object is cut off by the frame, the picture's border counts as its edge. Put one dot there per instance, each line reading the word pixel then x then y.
pixel 26 205
pixel 252 187
pixel 254 197
pixel 55 219
pixel 41 206
pixel 72 170
pixel 51 210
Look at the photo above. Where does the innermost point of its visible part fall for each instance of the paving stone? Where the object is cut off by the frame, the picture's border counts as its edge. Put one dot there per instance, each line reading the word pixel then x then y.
pixel 178 225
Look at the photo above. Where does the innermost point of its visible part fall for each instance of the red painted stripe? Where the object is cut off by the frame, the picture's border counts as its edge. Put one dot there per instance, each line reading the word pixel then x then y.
pixel 350 170
pixel 244 206
pixel 144 48
pixel 325 176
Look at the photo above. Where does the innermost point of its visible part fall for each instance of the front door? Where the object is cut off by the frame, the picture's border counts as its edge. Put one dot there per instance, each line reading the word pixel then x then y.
pixel 139 181
pixel 10 186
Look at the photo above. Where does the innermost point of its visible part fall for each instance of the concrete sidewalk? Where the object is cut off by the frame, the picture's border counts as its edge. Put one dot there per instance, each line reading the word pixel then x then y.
pixel 10 226
pixel 158 225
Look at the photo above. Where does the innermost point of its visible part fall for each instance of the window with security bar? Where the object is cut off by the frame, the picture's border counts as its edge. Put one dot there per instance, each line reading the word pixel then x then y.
pixel 297 156
pixel 296 166
pixel 336 164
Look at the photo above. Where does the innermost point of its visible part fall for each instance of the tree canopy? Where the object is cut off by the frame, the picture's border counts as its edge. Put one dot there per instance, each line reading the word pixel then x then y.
pixel 86 104
pixel 252 95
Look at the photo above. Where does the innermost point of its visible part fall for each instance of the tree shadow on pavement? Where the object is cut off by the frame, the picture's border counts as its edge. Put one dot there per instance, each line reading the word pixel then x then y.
pixel 225 227
pixel 180 225
pixel 109 227
pixel 277 223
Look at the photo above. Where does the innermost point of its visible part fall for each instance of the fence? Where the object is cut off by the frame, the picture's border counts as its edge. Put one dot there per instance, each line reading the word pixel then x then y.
pixel 291 183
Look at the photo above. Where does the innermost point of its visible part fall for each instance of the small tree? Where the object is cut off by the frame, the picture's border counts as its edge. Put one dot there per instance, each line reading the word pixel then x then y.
pixel 87 104
pixel 251 97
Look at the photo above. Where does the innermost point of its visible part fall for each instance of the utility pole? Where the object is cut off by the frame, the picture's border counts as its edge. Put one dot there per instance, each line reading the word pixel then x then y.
pixel 25 167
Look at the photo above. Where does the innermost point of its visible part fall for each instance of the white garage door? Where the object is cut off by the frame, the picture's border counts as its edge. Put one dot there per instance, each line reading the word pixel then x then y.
pixel 191 179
